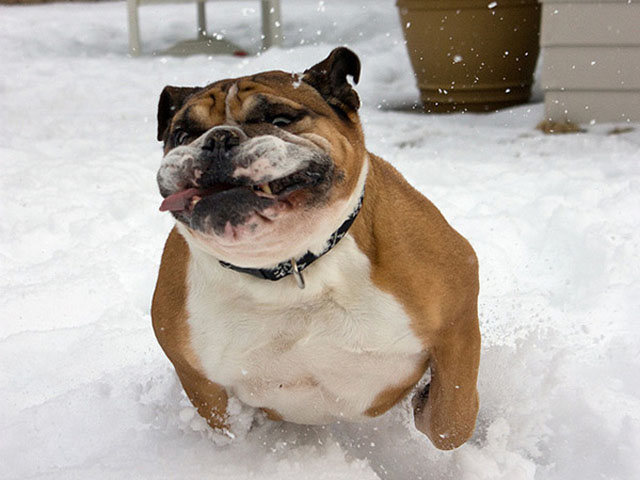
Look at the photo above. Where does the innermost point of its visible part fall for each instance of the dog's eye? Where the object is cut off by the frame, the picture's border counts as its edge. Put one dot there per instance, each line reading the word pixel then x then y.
pixel 281 121
pixel 180 137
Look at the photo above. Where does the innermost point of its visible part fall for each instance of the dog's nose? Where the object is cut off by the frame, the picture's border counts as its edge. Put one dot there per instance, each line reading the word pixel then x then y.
pixel 221 139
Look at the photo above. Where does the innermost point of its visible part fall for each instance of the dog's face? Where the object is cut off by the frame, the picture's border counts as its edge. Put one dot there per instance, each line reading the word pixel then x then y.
pixel 259 169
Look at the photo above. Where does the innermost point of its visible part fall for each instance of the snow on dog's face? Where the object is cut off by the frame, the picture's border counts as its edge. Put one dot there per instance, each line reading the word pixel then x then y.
pixel 260 169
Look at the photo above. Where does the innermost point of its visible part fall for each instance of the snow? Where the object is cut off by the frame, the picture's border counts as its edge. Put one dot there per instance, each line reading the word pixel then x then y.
pixel 86 390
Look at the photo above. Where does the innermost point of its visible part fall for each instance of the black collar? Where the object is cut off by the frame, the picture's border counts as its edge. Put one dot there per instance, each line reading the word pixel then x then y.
pixel 296 266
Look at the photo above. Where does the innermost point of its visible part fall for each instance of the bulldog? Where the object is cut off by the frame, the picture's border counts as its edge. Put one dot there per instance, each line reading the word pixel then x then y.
pixel 304 275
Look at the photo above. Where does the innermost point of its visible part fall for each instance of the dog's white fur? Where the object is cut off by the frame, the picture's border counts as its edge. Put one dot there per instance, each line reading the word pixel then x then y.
pixel 247 331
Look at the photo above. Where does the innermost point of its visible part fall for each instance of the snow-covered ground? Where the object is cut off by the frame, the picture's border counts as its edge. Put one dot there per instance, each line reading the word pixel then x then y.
pixel 87 393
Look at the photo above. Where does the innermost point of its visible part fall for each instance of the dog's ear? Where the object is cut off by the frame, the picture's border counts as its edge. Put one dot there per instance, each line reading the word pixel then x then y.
pixel 329 78
pixel 171 99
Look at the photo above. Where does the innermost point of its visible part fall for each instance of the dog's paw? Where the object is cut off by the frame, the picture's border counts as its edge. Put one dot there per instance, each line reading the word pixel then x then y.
pixel 238 422
pixel 241 418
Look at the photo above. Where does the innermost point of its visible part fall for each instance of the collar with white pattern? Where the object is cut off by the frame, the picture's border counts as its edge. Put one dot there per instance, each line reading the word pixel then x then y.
pixel 296 266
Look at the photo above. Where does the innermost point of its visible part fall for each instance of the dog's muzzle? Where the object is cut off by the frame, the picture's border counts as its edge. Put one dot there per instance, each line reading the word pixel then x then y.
pixel 224 176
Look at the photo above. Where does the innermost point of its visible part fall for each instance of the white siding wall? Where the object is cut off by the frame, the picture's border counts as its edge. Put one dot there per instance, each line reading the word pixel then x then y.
pixel 591 60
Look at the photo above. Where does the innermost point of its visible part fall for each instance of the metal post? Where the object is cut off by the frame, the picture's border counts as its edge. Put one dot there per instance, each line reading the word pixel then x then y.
pixel 271 24
pixel 134 28
pixel 202 19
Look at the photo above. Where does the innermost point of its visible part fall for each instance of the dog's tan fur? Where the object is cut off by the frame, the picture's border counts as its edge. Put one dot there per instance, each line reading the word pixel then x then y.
pixel 418 258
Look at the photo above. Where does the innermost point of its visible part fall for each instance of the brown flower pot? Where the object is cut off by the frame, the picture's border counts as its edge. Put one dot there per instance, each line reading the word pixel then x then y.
pixel 472 55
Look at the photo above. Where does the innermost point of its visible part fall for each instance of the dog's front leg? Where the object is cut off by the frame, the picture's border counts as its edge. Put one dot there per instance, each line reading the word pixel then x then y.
pixel 446 410
pixel 209 398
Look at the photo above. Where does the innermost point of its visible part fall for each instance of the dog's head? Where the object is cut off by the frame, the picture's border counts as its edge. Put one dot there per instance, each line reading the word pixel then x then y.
pixel 260 169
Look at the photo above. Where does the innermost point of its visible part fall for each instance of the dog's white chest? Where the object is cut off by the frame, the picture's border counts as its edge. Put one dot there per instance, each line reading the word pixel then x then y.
pixel 313 355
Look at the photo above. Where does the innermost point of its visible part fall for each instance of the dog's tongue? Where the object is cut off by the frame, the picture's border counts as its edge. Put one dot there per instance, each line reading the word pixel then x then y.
pixel 178 201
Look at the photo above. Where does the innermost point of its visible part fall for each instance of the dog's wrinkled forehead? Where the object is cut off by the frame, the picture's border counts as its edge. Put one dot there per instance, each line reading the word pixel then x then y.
pixel 250 100
pixel 322 91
